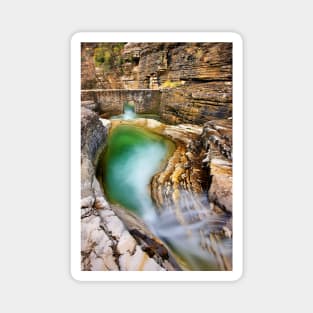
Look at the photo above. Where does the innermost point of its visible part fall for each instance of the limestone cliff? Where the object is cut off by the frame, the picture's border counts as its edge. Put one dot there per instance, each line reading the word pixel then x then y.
pixel 194 79
pixel 189 85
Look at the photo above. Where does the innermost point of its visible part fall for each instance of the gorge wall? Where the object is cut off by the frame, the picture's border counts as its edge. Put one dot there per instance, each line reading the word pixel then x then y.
pixel 194 79
pixel 189 85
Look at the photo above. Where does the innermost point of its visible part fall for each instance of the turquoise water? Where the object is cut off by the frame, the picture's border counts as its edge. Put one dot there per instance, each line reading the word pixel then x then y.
pixel 130 114
pixel 132 157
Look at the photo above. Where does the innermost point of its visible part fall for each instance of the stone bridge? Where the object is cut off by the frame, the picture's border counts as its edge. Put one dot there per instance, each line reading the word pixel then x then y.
pixel 111 101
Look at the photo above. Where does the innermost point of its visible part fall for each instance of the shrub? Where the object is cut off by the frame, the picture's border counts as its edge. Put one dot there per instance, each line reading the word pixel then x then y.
pixel 170 84
pixel 108 55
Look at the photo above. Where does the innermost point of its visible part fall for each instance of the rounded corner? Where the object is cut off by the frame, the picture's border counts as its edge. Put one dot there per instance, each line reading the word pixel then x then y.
pixel 237 37
pixel 75 276
pixel 75 37
pixel 237 276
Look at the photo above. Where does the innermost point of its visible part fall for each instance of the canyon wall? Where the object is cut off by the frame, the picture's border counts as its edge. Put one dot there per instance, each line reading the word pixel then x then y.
pixel 194 79
pixel 189 84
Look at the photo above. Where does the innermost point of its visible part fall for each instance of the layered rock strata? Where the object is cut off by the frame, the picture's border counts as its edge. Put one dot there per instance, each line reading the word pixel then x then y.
pixel 88 68
pixel 195 186
pixel 194 83
pixel 195 79
pixel 107 243
pixel 217 141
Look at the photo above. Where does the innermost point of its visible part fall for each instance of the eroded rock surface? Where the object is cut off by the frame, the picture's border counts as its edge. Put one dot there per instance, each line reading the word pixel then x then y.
pixel 195 79
pixel 217 140
pixel 106 243
pixel 195 186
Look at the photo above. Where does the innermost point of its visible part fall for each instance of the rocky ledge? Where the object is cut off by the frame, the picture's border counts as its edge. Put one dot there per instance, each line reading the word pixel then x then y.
pixel 195 186
pixel 111 238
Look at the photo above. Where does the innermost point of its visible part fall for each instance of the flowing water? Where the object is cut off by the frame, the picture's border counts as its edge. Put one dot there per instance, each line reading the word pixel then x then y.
pixel 130 114
pixel 133 156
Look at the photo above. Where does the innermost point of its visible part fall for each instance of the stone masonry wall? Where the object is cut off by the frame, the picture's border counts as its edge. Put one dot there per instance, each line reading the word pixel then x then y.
pixel 194 79
pixel 111 101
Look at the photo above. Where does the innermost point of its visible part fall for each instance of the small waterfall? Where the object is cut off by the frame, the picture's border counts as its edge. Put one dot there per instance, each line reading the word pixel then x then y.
pixel 190 228
pixel 193 237
pixel 129 112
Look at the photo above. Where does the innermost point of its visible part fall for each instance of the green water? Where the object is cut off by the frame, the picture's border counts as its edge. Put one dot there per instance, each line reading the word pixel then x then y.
pixel 132 157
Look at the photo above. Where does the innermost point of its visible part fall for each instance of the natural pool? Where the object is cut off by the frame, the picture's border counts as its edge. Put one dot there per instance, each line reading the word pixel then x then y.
pixel 132 157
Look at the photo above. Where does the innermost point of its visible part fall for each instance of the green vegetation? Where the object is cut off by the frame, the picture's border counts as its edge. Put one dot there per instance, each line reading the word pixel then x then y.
pixel 199 54
pixel 170 84
pixel 108 55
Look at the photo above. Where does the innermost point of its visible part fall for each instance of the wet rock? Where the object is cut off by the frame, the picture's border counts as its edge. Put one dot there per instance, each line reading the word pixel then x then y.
pixel 194 81
pixel 150 246
pixel 106 244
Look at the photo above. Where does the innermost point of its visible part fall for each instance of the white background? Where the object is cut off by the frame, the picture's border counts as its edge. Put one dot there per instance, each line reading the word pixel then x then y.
pixel 34 167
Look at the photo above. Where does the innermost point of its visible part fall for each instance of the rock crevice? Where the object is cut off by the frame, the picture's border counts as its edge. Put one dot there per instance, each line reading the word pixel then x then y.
pixel 189 85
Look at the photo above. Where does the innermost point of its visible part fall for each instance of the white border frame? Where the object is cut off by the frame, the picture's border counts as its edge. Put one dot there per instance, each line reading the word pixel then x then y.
pixel 237 271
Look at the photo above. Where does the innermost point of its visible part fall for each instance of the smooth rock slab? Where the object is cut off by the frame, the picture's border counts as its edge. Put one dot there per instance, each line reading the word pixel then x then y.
pixel 140 261
pixel 115 226
pixel 97 253
pixel 126 243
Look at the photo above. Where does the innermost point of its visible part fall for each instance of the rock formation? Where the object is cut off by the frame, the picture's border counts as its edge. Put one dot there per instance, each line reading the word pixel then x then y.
pixel 106 242
pixel 194 79
pixel 197 178
pixel 192 88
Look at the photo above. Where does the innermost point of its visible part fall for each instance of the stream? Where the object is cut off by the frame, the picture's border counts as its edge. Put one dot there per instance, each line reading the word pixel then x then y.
pixel 132 157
